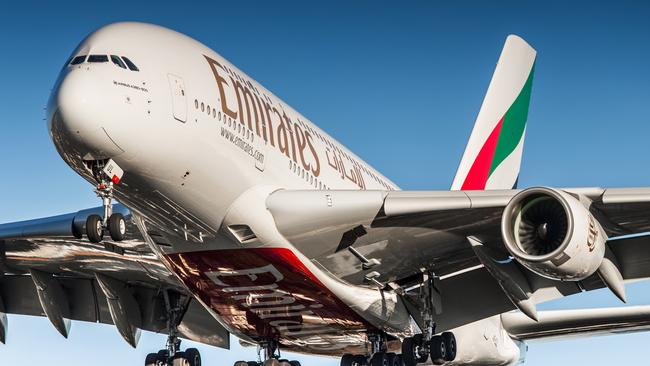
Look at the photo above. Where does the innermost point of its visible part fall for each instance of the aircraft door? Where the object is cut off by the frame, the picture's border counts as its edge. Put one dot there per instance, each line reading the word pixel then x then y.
pixel 179 101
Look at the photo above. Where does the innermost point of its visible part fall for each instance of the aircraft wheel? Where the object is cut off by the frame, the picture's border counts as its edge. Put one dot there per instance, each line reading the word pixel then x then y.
pixel 438 350
pixel 391 359
pixel 117 226
pixel 193 357
pixel 295 363
pixel 412 351
pixel 179 359
pixel 422 353
pixel 399 360
pixel 94 229
pixel 378 359
pixel 252 363
pixel 360 360
pixel 241 363
pixel 151 359
pixel 272 362
pixel 450 344
pixel 163 356
pixel 347 359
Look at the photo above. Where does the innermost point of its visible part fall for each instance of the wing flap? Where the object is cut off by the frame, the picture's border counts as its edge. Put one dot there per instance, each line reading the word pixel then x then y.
pixel 89 304
pixel 633 255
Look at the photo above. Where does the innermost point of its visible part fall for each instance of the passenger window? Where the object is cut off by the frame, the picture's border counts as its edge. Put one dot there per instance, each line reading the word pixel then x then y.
pixel 130 64
pixel 97 58
pixel 78 60
pixel 117 61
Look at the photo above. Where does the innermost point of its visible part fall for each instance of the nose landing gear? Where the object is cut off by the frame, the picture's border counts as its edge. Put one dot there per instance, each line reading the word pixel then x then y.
pixel 114 223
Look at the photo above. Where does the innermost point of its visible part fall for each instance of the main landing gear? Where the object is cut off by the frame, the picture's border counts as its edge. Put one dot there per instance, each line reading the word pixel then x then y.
pixel 378 359
pixel 379 355
pixel 114 223
pixel 271 356
pixel 441 348
pixel 175 305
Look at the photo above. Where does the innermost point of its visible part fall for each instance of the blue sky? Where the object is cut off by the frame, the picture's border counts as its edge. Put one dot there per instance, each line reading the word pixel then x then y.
pixel 398 83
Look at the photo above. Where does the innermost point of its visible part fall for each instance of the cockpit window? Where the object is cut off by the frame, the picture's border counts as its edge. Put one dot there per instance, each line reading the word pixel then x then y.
pixel 78 60
pixel 118 61
pixel 97 58
pixel 130 64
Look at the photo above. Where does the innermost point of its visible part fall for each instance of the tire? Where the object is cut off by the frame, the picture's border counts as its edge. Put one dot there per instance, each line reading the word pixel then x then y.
pixel 378 359
pixel 272 362
pixel 391 359
pixel 151 359
pixel 250 363
pixel 192 355
pixel 409 352
pixel 419 342
pixel 77 232
pixel 399 360
pixel 94 229
pixel 437 350
pixel 360 360
pixel 450 345
pixel 295 363
pixel 117 227
pixel 243 363
pixel 347 359
pixel 179 359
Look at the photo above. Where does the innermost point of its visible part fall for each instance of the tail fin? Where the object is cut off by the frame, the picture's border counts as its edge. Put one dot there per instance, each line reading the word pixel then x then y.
pixel 492 157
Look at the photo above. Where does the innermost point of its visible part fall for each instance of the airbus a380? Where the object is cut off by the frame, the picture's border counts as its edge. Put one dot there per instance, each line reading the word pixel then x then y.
pixel 237 215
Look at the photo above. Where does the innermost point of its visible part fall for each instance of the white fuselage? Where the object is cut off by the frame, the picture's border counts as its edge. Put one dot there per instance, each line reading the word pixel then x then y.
pixel 202 146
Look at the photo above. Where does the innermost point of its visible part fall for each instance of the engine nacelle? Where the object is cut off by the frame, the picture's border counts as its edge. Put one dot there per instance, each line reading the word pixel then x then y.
pixel 553 234
pixel 487 343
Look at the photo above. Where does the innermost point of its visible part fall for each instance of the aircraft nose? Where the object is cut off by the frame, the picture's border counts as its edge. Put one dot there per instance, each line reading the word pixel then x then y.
pixel 82 115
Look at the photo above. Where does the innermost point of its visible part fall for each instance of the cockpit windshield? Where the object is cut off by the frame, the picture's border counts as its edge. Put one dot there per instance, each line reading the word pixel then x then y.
pixel 121 62
pixel 118 61
pixel 97 58
pixel 130 64
pixel 78 60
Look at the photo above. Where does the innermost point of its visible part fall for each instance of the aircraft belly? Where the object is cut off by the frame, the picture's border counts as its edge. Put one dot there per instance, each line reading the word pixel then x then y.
pixel 268 293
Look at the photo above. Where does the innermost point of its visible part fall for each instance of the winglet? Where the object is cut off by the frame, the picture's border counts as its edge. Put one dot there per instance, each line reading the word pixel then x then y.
pixel 492 157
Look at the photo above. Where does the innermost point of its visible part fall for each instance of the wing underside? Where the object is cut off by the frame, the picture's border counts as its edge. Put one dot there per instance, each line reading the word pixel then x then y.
pixel 46 271
pixel 393 237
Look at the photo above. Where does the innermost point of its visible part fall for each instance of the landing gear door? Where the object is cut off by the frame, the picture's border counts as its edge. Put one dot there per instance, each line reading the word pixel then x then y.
pixel 179 101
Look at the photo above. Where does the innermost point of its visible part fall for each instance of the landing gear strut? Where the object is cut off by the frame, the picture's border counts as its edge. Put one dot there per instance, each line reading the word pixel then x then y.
pixel 114 223
pixel 175 305
pixel 417 349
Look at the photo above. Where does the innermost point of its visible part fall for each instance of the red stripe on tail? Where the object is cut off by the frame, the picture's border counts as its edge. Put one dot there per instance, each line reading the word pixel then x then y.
pixel 479 172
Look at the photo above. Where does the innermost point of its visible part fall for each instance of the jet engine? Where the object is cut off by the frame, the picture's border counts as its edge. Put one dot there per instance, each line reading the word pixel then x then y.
pixel 553 234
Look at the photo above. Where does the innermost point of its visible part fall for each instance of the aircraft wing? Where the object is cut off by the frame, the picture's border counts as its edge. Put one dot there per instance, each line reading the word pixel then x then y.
pixel 557 324
pixel 46 271
pixel 389 238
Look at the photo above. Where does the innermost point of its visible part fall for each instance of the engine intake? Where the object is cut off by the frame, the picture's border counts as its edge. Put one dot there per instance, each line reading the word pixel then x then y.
pixel 553 234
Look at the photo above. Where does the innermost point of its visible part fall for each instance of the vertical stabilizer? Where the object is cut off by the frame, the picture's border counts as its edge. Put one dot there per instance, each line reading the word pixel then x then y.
pixel 492 157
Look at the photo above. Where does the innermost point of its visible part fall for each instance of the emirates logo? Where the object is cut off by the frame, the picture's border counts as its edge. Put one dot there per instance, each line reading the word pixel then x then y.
pixel 593 234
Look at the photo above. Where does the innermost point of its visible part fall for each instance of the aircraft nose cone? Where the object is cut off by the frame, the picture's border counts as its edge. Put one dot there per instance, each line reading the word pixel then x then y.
pixel 82 115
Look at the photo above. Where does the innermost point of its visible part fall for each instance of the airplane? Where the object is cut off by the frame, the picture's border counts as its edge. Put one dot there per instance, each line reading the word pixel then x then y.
pixel 236 215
